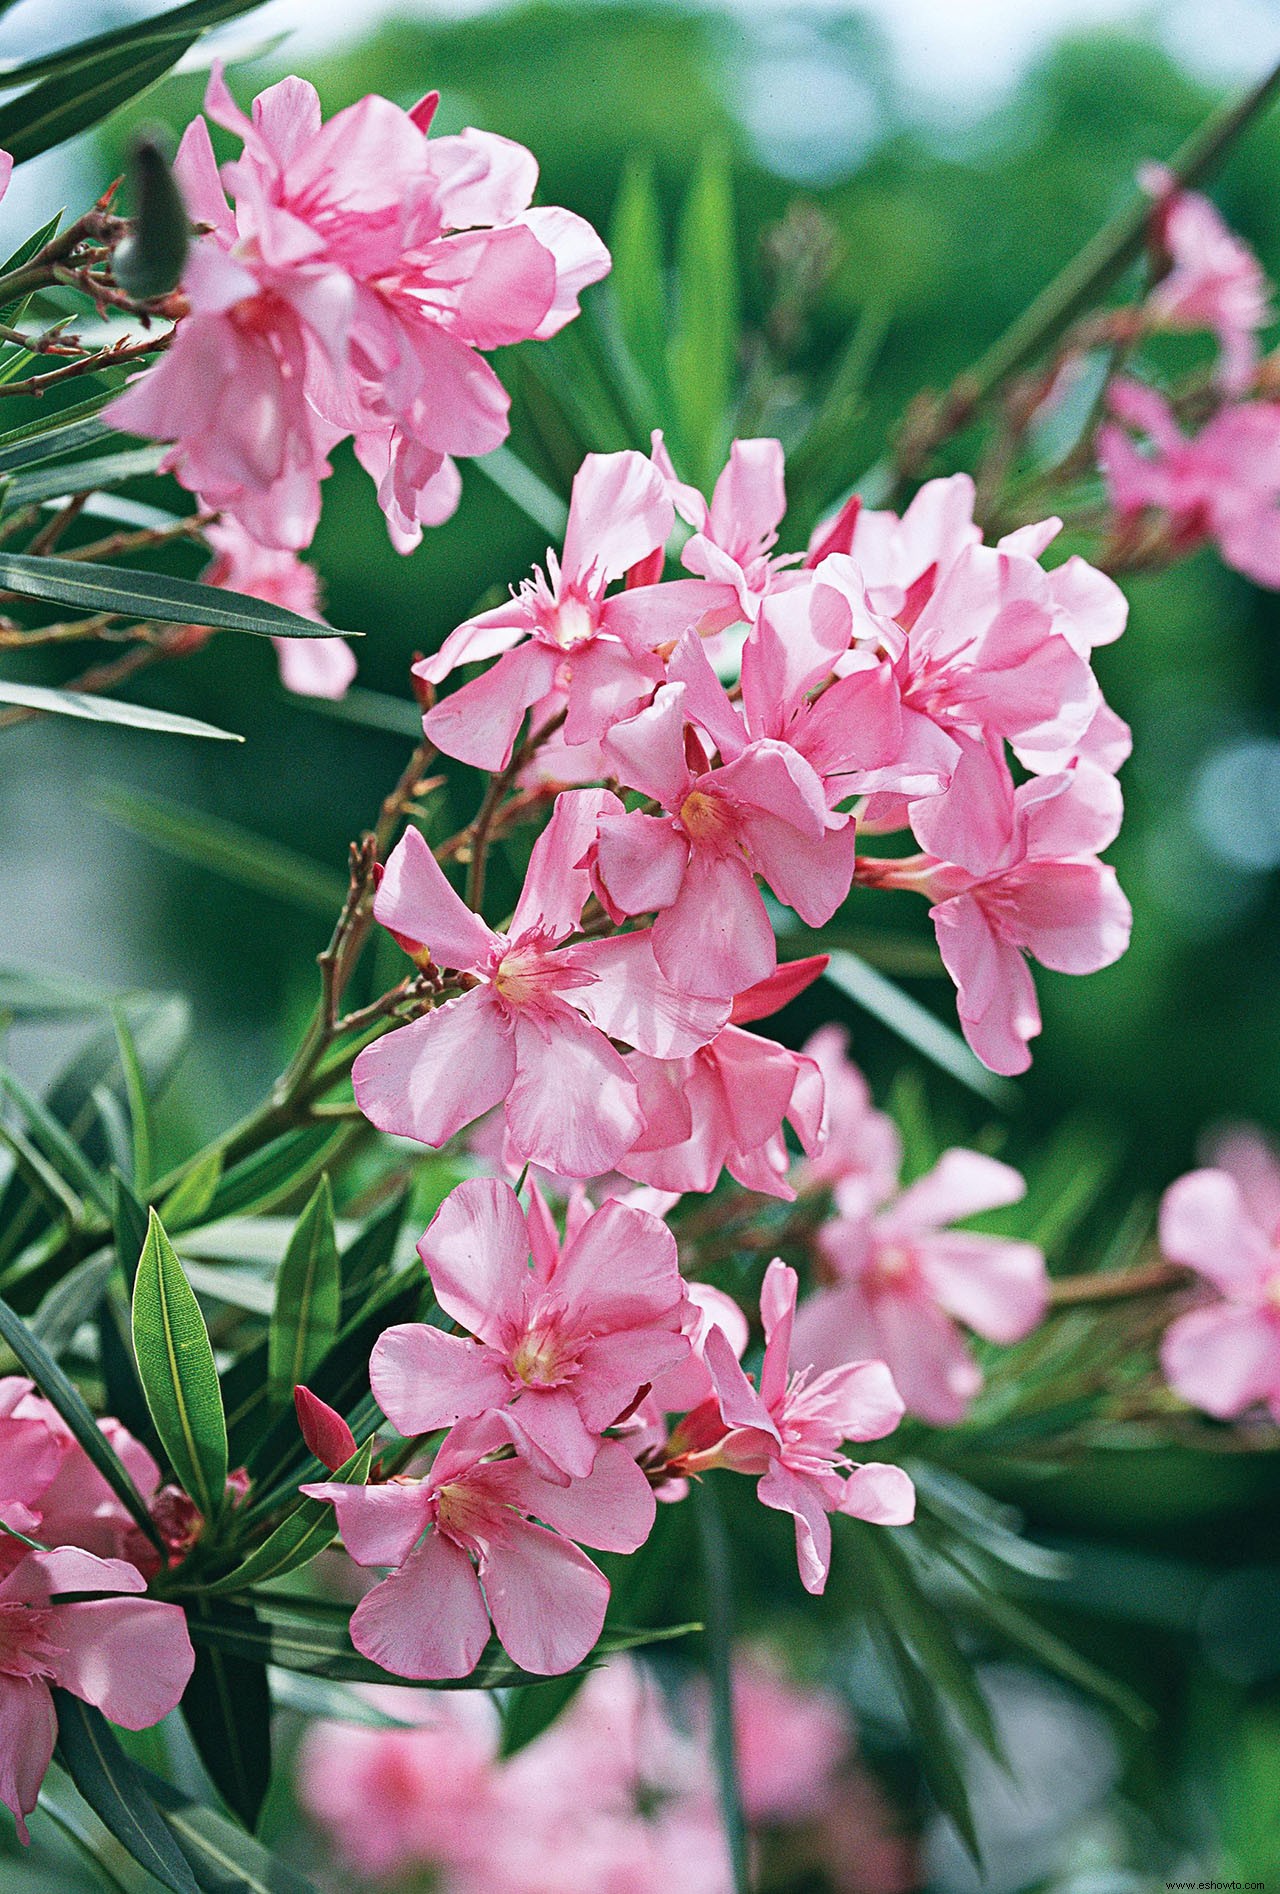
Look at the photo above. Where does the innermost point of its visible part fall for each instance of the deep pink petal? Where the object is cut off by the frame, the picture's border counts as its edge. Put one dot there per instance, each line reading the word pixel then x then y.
pixel 428 1079
pixel 28 1731
pixel 612 1509
pixel 641 861
pixel 557 882
pixel 647 750
pixel 620 1271
pixel 546 1424
pixel 716 937
pixel 424 1379
pixel 415 901
pixel 547 1599
pixel 476 1250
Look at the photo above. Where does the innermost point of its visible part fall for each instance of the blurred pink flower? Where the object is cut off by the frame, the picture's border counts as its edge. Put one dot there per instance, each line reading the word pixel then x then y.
pixel 1221 484
pixel 904 1280
pixel 314 667
pixel 130 1657
pixel 1214 280
pixel 862 1153
pixel 1224 1356
pixel 561 1348
pixel 791 1743
pixel 533 1031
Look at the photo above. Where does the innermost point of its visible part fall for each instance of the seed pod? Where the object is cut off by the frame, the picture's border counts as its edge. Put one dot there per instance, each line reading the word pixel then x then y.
pixel 148 263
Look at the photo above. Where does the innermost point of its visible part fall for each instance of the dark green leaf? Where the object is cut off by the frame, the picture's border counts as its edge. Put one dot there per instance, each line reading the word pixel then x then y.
pixel 280 1170
pixel 54 1385
pixel 227 1706
pixel 528 1713
pixel 308 1305
pixel 11 312
pixel 150 595
pixel 56 703
pixel 368 1257
pixel 717 1574
pixel 84 476
pixel 70 102
pixel 51 1138
pixel 223 1858
pixel 179 1377
pixel 72 1302
pixel 183 23
pixel 114 1789
pixel 524 489
pixel 135 1090
pixel 129 1225
pixel 298 1538
pixel 939 1758
pixel 64 432
pixel 241 856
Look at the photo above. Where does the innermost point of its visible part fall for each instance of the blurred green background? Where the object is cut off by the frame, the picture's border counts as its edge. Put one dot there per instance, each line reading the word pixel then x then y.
pixel 940 233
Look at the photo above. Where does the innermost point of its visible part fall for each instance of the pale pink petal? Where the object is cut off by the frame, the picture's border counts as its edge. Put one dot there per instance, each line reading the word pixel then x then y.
pixel 131 1658
pixel 777 1313
pixel 612 1509
pixel 428 1619
pixel 961 1184
pixel 423 1379
pixel 580 260
pixel 557 880
pixel 645 616
pixel 996 994
pixel 788 1492
pixel 607 683
pixel 496 286
pixel 621 1271
pixel 196 169
pixel 882 1494
pixel 647 750
pixel 481 178
pixel 632 1000
pixel 28 1731
pixel 927 1357
pixel 546 1424
pixel 1205 1223
pixel 380 1524
pixel 1092 609
pixel 1073 916
pixel 479 723
pixel 859 1399
pixel 619 511
pixel 750 495
pixel 716 937
pixel 998 1288
pixel 812 874
pixel 572 1106
pixel 315 667
pixel 428 1079
pixel 614 1368
pixel 547 1599
pixel 1249 1156
pixel 416 902
pixel 641 861
pixel 1224 1359
pixel 476 640
pixel 476 1251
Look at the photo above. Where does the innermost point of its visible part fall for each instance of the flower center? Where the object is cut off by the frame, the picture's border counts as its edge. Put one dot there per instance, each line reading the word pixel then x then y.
pixel 26 1649
pixel 892 1267
pixel 542 1358
pixel 706 819
pixel 519 978
pixel 571 623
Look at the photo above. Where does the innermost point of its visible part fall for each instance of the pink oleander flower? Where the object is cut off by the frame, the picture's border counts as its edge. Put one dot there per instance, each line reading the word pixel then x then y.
pixel 723 1107
pixel 565 1336
pixel 1224 1356
pixel 533 1030
pixel 1221 484
pixel 733 538
pixel 314 667
pixel 74 1506
pixel 33 1446
pixel 1214 280
pixel 128 1656
pixel 791 1743
pixel 563 631
pixel 904 1280
pixel 430 1617
pixel 390 1800
pixel 862 1153
pixel 765 812
pixel 790 1433
pixel 348 293
pixel 1042 891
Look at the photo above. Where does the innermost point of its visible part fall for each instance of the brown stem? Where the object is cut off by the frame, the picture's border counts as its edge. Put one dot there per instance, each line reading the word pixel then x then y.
pixel 113 357
pixel 1114 1285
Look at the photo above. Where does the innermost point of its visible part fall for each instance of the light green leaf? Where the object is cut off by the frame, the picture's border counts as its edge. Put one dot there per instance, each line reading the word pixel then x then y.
pixel 179 1377
pixel 151 595
pixel 55 703
pixel 61 1150
pixel 223 1858
pixel 703 345
pixel 113 1787
pixel 191 1196
pixel 637 280
pixel 65 431
pixel 135 1088
pixel 27 994
pixel 308 1310
pixel 84 476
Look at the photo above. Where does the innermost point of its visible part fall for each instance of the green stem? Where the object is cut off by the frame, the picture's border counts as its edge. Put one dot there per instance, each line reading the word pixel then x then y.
pixel 718 1589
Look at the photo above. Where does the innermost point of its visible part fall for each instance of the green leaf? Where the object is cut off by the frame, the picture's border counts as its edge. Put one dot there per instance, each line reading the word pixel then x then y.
pixel 179 1376
pixel 637 279
pixel 227 1706
pixel 26 994
pixel 718 1589
pixel 281 1169
pixel 114 1789
pixel 1019 1627
pixel 72 1302
pixel 527 1714
pixel 55 703
pixel 304 1532
pixel 535 499
pixel 189 1200
pixel 251 860
pixel 183 23
pixel 367 1259
pixel 135 1089
pixel 308 1308
pixel 65 431
pixel 11 312
pixel 129 1227
pixel 703 345
pixel 68 1400
pixel 84 476
pixel 223 1858
pixel 151 595
pixel 58 1147
pixel 70 102
pixel 936 1748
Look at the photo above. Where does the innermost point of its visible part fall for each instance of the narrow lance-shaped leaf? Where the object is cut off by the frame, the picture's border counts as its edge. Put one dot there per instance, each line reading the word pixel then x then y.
pixel 303 1533
pixel 637 286
pixel 153 595
pixel 227 1706
pixel 182 23
pixel 135 1089
pixel 114 1789
pixel 66 1397
pixel 308 1309
pixel 223 1858
pixel 67 103
pixel 192 1195
pixel 178 1372
pixel 704 342
pixel 56 703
